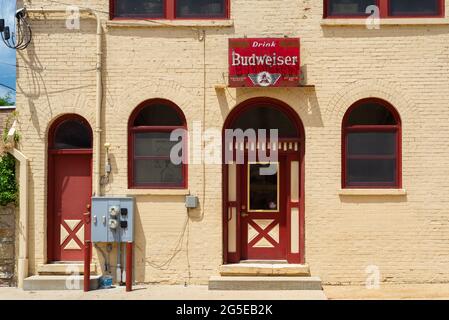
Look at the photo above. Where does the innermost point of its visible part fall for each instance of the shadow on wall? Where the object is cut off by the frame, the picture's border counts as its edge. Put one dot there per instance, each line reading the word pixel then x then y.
pixel 32 74
pixel 161 238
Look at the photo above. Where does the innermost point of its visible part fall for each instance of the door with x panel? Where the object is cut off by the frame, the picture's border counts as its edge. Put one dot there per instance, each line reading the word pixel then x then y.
pixel 69 188
pixel 263 210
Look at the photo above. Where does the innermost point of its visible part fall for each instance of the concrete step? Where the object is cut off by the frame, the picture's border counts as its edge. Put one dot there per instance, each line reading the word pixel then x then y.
pixel 64 268
pixel 264 283
pixel 265 269
pixel 41 282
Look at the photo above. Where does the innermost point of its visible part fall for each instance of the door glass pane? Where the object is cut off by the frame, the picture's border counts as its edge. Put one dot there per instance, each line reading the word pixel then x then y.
pixel 157 172
pixel 414 7
pixel 139 8
pixel 153 144
pixel 372 143
pixel 201 8
pixel 360 171
pixel 349 7
pixel 263 187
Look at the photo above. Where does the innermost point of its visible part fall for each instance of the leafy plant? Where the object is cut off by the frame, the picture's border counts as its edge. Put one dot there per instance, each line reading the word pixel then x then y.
pixel 8 184
pixel 6 101
pixel 8 123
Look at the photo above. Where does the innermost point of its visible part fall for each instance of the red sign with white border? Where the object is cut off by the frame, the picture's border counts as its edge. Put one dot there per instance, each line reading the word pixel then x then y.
pixel 264 62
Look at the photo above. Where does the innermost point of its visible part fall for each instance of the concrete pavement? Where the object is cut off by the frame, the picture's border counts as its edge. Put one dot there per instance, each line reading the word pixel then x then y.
pixel 161 292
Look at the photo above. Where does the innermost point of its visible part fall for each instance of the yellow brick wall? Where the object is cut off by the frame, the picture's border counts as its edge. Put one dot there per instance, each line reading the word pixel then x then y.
pixel 407 237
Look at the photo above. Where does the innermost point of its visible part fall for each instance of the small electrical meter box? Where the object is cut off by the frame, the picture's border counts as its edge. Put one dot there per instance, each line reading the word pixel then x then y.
pixel 192 202
pixel 112 219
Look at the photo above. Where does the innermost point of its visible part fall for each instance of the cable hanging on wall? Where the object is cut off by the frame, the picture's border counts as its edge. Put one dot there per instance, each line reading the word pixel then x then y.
pixel 21 38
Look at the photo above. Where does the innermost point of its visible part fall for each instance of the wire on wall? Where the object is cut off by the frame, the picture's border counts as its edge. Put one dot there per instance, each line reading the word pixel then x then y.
pixel 21 37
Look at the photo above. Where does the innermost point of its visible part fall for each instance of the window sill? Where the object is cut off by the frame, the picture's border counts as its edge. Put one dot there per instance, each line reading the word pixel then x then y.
pixel 372 192
pixel 158 192
pixel 385 22
pixel 170 23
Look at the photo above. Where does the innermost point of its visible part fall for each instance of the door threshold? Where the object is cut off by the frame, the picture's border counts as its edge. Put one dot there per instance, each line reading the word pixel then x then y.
pixel 263 262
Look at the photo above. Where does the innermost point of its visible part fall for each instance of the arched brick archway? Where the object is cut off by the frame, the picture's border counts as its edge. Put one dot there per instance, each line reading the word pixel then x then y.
pixel 263 215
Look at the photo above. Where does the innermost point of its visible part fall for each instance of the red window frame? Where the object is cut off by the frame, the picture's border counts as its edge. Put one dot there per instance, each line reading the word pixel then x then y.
pixel 397 128
pixel 132 130
pixel 384 7
pixel 169 13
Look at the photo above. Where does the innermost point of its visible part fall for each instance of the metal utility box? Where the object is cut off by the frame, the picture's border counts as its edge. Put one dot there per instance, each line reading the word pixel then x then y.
pixel 112 219
pixel 192 202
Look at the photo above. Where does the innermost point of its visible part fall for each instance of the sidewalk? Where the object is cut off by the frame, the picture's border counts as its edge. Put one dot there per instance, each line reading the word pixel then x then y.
pixel 389 292
pixel 158 292
pixel 165 292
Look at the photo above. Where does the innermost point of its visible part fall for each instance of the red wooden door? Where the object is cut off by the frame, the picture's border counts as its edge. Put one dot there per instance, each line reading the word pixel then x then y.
pixel 263 211
pixel 70 194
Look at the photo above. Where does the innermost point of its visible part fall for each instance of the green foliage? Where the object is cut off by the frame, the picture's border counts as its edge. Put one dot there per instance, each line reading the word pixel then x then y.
pixel 6 101
pixel 8 123
pixel 8 185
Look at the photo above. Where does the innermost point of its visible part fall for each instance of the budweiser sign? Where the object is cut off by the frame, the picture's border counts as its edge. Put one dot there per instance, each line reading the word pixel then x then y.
pixel 265 62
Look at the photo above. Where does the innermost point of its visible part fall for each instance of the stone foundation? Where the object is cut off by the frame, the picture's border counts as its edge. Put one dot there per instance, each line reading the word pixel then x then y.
pixel 7 244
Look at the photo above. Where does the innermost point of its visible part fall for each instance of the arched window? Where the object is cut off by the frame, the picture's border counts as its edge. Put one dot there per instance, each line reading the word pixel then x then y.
pixel 371 146
pixel 71 132
pixel 150 164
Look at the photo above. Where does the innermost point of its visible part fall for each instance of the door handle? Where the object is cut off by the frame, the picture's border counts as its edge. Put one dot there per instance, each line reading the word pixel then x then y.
pixel 243 214
pixel 87 214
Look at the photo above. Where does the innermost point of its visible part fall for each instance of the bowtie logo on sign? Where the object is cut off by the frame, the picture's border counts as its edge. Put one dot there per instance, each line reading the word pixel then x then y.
pixel 264 79
pixel 269 62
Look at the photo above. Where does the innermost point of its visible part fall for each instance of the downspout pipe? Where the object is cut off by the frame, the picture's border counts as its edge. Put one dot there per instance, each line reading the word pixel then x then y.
pixel 99 87
pixel 22 263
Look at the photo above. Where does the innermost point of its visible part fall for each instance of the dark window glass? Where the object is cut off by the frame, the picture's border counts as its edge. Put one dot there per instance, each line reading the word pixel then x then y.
pixel 263 189
pixel 371 114
pixel 151 148
pixel 139 8
pixel 201 8
pixel 348 7
pixel 266 117
pixel 154 144
pixel 158 115
pixel 371 171
pixel 371 152
pixel 372 143
pixel 73 134
pixel 157 171
pixel 414 7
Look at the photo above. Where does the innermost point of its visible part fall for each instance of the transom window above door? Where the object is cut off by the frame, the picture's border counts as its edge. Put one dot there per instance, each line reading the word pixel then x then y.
pixel 387 8
pixel 169 9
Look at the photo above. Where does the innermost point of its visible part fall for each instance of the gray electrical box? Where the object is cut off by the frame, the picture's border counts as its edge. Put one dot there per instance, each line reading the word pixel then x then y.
pixel 192 202
pixel 112 219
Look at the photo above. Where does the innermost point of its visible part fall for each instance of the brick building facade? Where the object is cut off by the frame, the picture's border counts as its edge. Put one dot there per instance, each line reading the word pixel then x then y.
pixel 401 228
